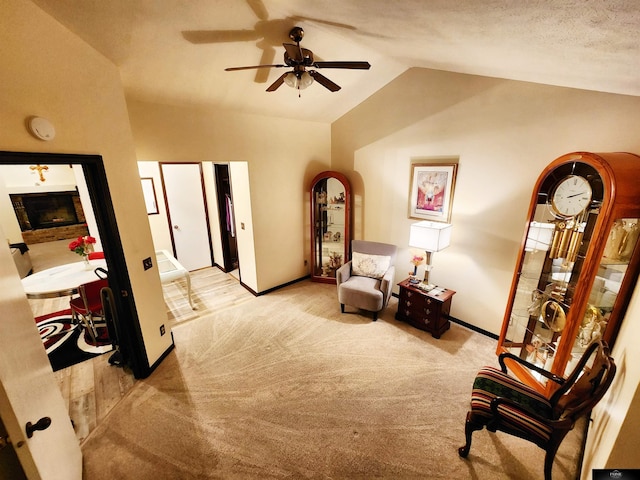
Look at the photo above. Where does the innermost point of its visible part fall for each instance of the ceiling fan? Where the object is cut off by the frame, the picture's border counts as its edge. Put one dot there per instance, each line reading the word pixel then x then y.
pixel 299 59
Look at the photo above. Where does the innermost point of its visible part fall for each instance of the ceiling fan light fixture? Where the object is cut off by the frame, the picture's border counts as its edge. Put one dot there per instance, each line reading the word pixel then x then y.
pixel 299 81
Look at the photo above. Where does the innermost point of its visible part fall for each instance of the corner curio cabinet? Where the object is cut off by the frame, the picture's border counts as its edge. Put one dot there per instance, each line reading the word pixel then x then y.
pixel 330 229
pixel 578 263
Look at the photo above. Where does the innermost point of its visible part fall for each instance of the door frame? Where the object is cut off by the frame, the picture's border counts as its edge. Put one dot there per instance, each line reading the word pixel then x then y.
pixel 131 342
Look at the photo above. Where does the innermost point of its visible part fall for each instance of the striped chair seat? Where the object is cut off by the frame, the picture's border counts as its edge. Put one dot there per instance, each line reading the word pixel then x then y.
pixel 491 383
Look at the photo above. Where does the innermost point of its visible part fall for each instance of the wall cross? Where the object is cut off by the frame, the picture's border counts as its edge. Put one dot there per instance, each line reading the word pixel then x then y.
pixel 40 168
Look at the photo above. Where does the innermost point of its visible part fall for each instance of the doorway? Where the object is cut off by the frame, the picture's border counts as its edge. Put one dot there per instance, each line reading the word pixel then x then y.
pixel 227 217
pixel 131 344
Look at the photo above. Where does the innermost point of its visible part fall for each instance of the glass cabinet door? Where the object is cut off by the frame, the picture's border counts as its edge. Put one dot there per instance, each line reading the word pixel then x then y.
pixel 618 251
pixel 330 234
pixel 552 264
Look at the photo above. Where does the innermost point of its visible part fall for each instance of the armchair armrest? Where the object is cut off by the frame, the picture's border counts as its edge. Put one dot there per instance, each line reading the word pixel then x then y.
pixel 343 273
pixel 386 283
pixel 530 366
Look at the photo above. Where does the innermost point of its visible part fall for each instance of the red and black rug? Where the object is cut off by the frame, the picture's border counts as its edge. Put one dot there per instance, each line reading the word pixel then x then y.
pixel 67 343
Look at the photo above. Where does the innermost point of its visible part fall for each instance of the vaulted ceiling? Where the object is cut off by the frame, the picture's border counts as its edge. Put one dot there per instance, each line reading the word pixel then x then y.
pixel 175 51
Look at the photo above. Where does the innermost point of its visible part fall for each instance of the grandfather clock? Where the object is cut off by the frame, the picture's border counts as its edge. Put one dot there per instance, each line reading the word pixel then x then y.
pixel 578 262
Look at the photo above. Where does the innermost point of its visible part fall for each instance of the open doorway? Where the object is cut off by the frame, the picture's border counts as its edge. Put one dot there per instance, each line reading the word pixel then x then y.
pixel 227 217
pixel 130 339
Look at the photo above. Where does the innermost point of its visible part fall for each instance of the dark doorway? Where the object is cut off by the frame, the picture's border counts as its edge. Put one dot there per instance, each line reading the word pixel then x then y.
pixel 131 344
pixel 227 219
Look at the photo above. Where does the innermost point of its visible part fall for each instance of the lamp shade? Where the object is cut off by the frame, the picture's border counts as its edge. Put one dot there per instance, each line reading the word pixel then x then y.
pixel 430 236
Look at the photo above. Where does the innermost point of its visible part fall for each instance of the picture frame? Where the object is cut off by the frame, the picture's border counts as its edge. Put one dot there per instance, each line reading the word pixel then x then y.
pixel 149 192
pixel 431 191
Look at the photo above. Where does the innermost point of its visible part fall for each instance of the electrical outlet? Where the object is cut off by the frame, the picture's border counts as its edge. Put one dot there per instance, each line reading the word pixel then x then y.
pixel 147 263
pixel 305 263
pixel 162 330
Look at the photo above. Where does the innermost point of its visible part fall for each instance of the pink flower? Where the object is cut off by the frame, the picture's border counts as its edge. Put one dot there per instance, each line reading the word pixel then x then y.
pixel 417 260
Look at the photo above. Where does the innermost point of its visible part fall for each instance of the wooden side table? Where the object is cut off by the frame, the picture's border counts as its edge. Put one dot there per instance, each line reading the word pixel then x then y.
pixel 425 310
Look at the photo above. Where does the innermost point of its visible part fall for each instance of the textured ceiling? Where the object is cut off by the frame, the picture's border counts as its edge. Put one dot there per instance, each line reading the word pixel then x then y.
pixel 175 51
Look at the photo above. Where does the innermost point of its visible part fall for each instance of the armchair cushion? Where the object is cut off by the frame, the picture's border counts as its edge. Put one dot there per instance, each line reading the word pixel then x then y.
pixel 367 265
pixel 362 291
pixel 523 406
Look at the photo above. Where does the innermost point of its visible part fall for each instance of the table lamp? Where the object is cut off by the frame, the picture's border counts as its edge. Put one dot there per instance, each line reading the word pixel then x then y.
pixel 430 237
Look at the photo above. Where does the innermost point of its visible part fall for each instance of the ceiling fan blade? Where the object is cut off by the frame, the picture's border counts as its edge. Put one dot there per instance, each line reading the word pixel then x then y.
pixel 293 51
pixel 275 85
pixel 324 81
pixel 219 36
pixel 234 69
pixel 350 65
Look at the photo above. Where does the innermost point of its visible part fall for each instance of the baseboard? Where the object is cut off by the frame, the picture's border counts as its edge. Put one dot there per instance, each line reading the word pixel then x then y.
pixel 264 292
pixel 473 327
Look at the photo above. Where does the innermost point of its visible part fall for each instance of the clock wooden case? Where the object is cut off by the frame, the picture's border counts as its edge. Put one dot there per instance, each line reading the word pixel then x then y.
pixel 578 263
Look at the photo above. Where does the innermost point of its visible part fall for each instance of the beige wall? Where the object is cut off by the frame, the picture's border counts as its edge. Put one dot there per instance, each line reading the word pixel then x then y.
pixel 502 133
pixel 49 72
pixel 282 157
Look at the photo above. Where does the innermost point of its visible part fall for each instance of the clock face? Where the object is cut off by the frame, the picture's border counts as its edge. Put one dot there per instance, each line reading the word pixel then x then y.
pixel 571 196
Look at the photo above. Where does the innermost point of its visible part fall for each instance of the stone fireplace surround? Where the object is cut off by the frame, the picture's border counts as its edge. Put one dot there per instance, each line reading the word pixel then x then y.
pixel 52 234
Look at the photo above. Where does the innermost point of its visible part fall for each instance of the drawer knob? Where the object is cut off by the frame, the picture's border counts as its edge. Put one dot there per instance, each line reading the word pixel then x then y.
pixel 429 301
pixel 409 294
pixel 408 304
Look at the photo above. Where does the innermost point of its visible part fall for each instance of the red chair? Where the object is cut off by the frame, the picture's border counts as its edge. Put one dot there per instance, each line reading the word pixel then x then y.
pixel 96 255
pixel 89 305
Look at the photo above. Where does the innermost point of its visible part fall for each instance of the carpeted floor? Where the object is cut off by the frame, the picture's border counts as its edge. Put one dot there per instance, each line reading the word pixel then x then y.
pixel 284 386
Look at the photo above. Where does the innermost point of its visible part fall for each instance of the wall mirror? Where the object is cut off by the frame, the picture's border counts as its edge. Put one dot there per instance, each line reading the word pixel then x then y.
pixel 330 225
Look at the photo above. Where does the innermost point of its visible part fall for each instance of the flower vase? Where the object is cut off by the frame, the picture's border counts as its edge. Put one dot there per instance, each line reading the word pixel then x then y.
pixel 87 264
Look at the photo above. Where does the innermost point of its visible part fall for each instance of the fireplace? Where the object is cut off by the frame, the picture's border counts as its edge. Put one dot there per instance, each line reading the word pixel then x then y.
pixel 49 216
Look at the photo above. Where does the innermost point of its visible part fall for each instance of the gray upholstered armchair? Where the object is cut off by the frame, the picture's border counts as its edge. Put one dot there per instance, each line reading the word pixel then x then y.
pixel 366 280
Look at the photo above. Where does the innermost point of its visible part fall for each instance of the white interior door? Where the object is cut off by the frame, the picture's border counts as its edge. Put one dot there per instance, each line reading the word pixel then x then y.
pixel 28 389
pixel 187 214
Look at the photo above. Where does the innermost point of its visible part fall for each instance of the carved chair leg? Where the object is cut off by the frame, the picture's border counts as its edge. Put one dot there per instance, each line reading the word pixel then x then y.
pixel 342 307
pixel 375 316
pixel 549 457
pixel 469 427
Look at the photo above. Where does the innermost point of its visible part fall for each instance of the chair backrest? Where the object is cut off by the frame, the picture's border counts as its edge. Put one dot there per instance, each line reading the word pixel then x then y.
pixel 375 248
pixel 90 293
pixel 587 384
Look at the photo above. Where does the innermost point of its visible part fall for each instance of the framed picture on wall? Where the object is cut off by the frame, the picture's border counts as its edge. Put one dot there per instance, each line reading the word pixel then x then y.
pixel 431 191
pixel 149 191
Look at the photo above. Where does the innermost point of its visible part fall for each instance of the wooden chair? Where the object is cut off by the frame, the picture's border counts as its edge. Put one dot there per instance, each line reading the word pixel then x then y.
pixel 89 305
pixel 500 402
